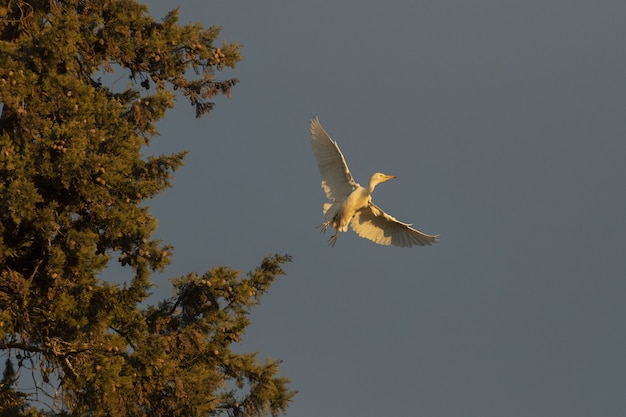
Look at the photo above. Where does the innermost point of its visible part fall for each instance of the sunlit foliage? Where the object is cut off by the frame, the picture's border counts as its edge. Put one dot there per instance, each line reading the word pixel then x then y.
pixel 73 186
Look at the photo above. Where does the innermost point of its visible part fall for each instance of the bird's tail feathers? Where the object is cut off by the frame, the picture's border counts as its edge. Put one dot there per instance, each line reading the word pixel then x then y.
pixel 330 210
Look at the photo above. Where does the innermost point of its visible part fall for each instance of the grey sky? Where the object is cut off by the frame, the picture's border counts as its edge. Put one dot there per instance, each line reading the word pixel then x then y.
pixel 504 122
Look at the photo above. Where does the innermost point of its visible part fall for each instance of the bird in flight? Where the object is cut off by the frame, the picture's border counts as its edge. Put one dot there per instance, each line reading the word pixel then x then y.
pixel 352 203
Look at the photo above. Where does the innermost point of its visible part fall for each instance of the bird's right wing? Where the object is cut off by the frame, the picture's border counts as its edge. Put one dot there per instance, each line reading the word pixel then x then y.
pixel 337 181
pixel 374 224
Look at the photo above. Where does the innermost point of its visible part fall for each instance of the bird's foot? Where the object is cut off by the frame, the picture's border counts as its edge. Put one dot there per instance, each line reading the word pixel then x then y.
pixel 323 226
pixel 333 239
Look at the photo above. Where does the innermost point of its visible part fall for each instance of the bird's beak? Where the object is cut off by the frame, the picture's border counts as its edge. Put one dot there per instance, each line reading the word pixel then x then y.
pixel 390 177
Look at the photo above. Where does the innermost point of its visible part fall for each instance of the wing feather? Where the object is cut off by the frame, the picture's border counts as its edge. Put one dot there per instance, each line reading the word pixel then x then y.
pixel 374 224
pixel 337 181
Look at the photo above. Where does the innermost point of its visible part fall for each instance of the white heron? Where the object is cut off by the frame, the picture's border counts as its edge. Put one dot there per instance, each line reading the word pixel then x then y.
pixel 352 203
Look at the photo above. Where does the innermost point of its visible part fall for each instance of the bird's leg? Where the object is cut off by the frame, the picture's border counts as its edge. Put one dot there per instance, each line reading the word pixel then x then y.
pixel 333 239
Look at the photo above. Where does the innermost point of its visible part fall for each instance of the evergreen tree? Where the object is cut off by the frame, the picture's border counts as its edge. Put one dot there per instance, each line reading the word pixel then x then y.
pixel 73 186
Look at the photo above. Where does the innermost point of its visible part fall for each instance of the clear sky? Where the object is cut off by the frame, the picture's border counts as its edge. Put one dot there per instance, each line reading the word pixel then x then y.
pixel 505 124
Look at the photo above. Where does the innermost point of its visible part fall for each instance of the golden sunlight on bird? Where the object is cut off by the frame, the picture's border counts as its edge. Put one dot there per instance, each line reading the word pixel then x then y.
pixel 352 204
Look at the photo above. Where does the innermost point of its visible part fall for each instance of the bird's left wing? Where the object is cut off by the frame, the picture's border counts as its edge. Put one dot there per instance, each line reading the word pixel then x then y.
pixel 374 224
pixel 337 181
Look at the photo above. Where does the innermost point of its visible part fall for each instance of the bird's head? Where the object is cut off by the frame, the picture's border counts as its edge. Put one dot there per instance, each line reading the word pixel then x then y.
pixel 378 177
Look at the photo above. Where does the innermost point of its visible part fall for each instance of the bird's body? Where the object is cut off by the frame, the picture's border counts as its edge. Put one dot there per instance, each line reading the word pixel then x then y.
pixel 352 203
pixel 340 214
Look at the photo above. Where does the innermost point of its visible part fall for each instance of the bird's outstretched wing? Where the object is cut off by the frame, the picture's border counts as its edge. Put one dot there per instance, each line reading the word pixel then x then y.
pixel 337 181
pixel 374 224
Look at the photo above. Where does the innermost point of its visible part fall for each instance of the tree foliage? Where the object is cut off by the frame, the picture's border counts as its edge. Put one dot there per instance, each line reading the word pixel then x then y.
pixel 73 186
